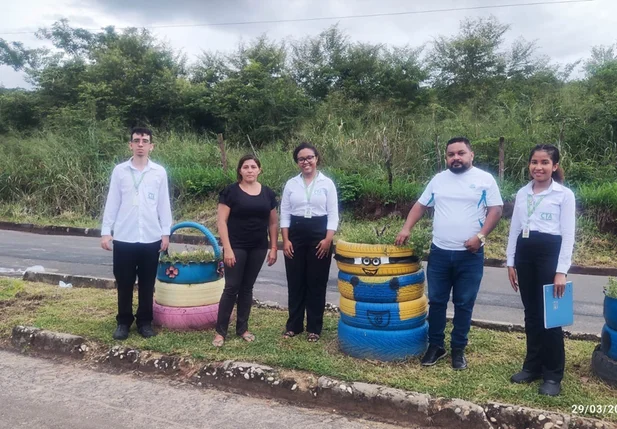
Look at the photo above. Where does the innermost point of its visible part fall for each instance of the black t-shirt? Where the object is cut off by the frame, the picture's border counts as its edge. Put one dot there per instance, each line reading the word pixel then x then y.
pixel 249 216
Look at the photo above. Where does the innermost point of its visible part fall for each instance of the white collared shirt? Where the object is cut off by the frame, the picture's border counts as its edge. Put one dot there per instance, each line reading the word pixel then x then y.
pixel 555 214
pixel 460 202
pixel 146 220
pixel 323 201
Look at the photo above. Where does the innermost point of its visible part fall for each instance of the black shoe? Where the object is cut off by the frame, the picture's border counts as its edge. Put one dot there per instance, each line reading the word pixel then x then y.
pixel 525 377
pixel 550 388
pixel 121 332
pixel 146 331
pixel 458 359
pixel 433 354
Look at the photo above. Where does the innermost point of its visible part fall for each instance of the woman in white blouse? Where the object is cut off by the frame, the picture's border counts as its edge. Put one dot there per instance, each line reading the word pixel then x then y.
pixel 309 219
pixel 540 252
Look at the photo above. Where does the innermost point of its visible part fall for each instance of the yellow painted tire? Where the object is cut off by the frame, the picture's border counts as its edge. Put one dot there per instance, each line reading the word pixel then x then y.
pixel 384 316
pixel 382 270
pixel 188 295
pixel 361 250
pixel 381 288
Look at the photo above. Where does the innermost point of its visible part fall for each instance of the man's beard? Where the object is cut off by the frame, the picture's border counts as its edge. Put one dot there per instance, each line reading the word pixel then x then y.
pixel 461 168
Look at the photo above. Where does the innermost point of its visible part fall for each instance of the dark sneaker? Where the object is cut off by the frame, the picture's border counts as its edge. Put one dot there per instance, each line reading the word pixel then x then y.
pixel 525 377
pixel 121 332
pixel 146 331
pixel 458 359
pixel 550 388
pixel 433 354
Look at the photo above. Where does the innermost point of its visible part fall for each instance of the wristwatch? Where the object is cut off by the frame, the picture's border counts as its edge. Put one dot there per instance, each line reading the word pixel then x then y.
pixel 482 238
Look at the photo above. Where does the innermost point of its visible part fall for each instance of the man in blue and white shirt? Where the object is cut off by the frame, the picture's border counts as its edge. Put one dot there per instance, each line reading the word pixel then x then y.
pixel 467 206
pixel 139 212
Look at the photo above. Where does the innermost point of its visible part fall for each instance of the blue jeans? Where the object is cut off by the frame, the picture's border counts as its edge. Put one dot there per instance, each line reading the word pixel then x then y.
pixel 460 271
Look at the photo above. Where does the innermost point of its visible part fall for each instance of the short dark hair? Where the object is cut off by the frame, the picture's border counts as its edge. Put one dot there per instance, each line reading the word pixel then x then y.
pixel 141 131
pixel 459 139
pixel 306 145
pixel 553 152
pixel 241 163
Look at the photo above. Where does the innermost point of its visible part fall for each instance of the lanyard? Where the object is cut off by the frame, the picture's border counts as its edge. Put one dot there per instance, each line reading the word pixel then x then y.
pixel 135 183
pixel 308 190
pixel 532 206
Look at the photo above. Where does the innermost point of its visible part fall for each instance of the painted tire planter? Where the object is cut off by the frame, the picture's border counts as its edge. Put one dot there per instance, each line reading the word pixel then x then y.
pixel 186 318
pixel 375 267
pixel 609 342
pixel 194 272
pixel 381 288
pixel 188 295
pixel 382 345
pixel 610 312
pixel 384 317
pixel 361 250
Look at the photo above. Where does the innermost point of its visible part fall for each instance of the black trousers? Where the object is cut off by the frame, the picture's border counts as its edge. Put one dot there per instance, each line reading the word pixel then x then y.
pixel 239 281
pixel 307 276
pixel 536 265
pixel 131 261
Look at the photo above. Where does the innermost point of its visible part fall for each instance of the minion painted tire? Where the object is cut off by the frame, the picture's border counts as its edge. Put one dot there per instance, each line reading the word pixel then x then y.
pixel 382 345
pixel 383 270
pixel 609 342
pixel 381 288
pixel 384 317
pixel 189 295
pixel 360 250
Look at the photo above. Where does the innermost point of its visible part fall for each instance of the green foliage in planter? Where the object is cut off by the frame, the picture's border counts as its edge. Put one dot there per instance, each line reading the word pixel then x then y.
pixel 611 288
pixel 186 257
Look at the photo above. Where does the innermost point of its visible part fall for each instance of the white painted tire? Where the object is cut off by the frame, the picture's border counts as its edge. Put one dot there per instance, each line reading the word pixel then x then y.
pixel 188 295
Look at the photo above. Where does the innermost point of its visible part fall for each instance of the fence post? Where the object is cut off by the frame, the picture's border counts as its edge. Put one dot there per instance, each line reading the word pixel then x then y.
pixel 502 157
pixel 221 142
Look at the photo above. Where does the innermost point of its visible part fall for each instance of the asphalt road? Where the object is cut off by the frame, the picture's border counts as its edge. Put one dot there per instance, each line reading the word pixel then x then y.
pixel 84 256
pixel 42 394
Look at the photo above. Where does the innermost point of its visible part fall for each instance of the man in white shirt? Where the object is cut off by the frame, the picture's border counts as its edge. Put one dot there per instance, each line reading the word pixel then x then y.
pixel 467 206
pixel 139 212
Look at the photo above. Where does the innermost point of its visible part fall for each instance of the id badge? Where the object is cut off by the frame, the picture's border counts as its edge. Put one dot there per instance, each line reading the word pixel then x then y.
pixel 526 232
pixel 308 213
pixel 135 199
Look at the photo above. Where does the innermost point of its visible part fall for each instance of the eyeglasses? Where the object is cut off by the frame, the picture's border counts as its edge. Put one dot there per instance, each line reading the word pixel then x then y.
pixel 137 141
pixel 307 159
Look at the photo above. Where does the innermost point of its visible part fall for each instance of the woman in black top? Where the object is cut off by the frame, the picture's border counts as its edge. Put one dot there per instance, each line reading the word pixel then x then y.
pixel 246 214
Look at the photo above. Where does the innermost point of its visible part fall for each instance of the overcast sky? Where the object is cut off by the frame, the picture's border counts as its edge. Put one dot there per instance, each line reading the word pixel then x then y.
pixel 565 32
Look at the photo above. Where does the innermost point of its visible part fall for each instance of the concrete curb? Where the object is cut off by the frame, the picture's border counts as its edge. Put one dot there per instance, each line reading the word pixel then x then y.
pixel 103 283
pixel 197 239
pixel 305 389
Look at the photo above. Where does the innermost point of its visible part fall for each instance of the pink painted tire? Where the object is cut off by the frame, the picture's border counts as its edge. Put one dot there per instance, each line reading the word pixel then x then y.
pixel 185 318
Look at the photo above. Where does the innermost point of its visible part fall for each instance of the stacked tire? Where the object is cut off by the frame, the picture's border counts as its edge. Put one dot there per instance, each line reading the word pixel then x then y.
pixel 186 296
pixel 383 306
pixel 604 358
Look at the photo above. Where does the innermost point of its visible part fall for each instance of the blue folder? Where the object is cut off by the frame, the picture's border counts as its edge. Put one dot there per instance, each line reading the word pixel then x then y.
pixel 558 311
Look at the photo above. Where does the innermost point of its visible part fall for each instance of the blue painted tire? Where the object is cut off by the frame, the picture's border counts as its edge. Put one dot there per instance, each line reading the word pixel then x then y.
pixel 609 342
pixel 610 312
pixel 382 345
pixel 193 273
pixel 384 317
pixel 381 288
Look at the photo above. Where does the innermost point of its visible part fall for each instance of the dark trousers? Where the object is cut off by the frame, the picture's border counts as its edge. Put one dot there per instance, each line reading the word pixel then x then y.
pixel 536 265
pixel 307 276
pixel 459 271
pixel 131 261
pixel 239 281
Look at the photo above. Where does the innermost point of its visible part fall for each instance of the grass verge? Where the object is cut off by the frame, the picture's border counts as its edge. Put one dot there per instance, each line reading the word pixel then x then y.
pixel 493 356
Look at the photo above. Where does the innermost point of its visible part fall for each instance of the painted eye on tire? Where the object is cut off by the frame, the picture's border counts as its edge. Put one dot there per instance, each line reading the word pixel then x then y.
pixel 366 261
pixel 376 261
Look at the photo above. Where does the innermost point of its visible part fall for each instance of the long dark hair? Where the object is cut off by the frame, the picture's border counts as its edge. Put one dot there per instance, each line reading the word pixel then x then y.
pixel 241 163
pixel 553 153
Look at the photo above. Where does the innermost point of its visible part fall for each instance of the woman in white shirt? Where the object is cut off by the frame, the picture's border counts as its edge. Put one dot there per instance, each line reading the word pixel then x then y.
pixel 540 252
pixel 309 219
